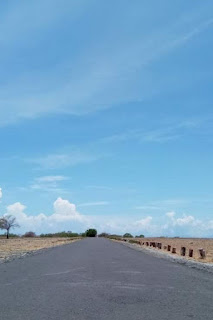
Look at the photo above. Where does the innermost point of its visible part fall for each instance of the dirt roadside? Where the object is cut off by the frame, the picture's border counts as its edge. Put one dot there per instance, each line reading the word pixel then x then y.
pixel 20 247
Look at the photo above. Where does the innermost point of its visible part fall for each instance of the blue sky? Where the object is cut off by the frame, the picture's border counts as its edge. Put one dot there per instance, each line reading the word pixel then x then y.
pixel 106 116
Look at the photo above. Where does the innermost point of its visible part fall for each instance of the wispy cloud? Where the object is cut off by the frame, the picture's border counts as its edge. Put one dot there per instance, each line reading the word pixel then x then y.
pixel 47 188
pixel 91 83
pixel 49 184
pixel 61 160
pixel 165 133
pixel 168 204
pixel 91 204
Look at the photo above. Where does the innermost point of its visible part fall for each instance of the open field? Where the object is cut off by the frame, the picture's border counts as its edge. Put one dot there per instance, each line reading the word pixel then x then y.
pixel 190 248
pixel 18 247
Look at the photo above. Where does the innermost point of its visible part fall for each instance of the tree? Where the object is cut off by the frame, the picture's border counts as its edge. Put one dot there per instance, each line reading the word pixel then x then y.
pixel 140 236
pixel 91 233
pixel 127 235
pixel 8 222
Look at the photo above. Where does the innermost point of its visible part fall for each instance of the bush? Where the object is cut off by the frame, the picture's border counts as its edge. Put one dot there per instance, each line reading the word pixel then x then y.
pixel 127 235
pixel 141 236
pixel 91 233
pixel 104 235
pixel 134 241
pixel 62 234
pixel 115 237
pixel 83 235
pixel 12 235
pixel 29 234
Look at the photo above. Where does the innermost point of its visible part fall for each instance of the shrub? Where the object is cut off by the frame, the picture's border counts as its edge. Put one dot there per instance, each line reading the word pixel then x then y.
pixel 12 235
pixel 115 237
pixel 141 236
pixel 29 234
pixel 104 235
pixel 134 241
pixel 82 234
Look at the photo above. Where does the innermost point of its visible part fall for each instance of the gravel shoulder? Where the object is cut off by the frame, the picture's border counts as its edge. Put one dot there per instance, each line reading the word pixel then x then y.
pixel 174 258
pixel 17 248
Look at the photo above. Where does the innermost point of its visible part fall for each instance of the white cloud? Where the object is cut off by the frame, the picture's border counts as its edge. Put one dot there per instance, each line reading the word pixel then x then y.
pixel 1 193
pixel 63 217
pixel 120 225
pixel 64 210
pixel 170 214
pixel 144 223
pixel 183 221
pixel 187 225
pixel 51 178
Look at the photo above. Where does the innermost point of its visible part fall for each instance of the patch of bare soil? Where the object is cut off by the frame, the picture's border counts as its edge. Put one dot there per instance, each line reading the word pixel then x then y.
pixel 20 247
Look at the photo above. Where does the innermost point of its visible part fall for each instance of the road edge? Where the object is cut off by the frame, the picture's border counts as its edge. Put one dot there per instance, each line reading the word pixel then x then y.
pixel 208 267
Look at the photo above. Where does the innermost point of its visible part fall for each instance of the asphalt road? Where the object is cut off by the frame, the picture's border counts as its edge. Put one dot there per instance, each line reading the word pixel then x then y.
pixel 99 279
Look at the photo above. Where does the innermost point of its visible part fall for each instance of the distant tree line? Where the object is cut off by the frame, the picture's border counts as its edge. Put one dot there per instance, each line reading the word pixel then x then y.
pixel 8 222
pixel 63 234
pixel 117 236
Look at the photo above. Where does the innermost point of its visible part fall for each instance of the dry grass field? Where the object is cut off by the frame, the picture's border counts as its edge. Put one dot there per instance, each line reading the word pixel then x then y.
pixel 190 248
pixel 17 247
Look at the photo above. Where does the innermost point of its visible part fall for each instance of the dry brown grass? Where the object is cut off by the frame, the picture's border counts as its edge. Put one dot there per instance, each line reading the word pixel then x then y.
pixel 20 246
pixel 189 243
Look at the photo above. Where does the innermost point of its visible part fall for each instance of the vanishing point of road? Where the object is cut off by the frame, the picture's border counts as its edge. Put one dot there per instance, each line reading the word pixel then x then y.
pixel 97 279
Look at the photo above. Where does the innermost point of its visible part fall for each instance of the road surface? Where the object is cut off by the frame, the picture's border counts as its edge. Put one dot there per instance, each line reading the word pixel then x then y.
pixel 102 280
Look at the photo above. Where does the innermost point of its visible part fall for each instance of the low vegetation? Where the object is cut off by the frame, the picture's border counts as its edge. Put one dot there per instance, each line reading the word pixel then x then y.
pixel 62 234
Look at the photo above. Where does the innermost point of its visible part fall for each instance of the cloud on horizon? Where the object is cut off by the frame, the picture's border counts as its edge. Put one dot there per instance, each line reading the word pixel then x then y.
pixel 66 217
pixel 63 216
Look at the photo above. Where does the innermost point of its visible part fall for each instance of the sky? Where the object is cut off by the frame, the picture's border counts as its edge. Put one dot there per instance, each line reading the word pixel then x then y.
pixel 106 116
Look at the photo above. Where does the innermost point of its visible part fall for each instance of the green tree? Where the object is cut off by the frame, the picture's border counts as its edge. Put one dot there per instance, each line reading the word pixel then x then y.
pixel 127 235
pixel 91 233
